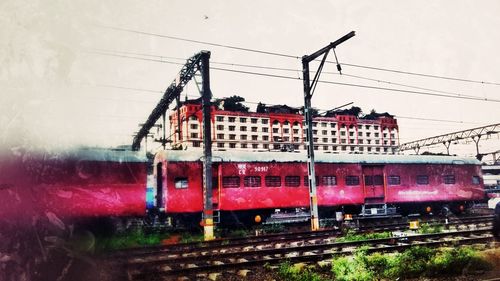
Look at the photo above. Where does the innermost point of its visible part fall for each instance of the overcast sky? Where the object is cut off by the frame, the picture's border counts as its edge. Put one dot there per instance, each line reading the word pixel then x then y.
pixel 53 78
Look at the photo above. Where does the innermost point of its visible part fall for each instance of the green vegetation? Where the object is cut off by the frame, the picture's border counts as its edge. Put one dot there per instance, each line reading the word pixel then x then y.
pixel 351 235
pixel 128 240
pixel 291 273
pixel 412 263
pixel 427 228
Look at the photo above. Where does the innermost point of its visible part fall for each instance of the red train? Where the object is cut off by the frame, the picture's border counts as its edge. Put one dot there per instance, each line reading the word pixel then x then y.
pixel 62 186
pixel 249 184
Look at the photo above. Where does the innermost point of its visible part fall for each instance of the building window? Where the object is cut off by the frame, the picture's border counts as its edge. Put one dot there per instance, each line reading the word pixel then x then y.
pixel 254 137
pixel 265 130
pixel 266 138
pixel 243 120
pixel 265 121
pixel 230 182
pixel 232 145
pixel 342 133
pixel 325 139
pixel 220 127
pixel 367 127
pixel 220 144
pixel 194 135
pixel 295 139
pixel 360 134
pixel 286 131
pixel 220 118
pixel 243 145
pixel 181 183
pixel 255 145
pixel 449 179
pixel 231 119
pixel 243 128
pixel 332 125
pixel 422 179
pixel 351 134
pixel 232 136
pixel 232 128
pixel 328 180
pixel 315 124
pixel 334 148
pixel 273 181
pixel 194 126
pixel 324 132
pixel 352 180
pixel 360 141
pixel 323 124
pixel 196 144
pixel 393 180
pixel 351 141
pixel 254 129
pixel 275 130
pixel 243 137
pixel 253 120
pixel 251 181
pixel 375 127
pixel 325 147
pixel 292 181
pixel 295 131
pixel 220 136
pixel 265 146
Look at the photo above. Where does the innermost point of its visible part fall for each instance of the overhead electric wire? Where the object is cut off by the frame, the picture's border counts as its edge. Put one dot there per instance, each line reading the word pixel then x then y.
pixel 201 42
pixel 254 102
pixel 297 57
pixel 113 53
pixel 326 82
pixel 420 74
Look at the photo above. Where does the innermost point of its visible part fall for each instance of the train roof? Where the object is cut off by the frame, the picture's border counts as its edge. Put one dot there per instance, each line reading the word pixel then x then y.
pixel 247 156
pixel 108 155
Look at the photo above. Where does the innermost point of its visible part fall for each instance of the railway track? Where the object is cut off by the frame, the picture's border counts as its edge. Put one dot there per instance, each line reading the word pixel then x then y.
pixel 158 263
pixel 192 263
pixel 289 237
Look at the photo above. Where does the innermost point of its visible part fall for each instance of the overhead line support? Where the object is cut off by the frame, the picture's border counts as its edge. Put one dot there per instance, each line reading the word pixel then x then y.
pixel 313 199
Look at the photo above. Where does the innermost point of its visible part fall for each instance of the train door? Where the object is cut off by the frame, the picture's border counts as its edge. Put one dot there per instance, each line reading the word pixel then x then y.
pixel 374 185
pixel 159 186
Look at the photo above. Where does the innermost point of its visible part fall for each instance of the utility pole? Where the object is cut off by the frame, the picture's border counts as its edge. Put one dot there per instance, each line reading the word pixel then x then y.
pixel 309 88
pixel 206 96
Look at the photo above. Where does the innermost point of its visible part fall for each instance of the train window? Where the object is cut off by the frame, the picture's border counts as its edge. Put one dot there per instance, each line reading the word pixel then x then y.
pixel 230 182
pixel 328 180
pixel 251 181
pixel 181 183
pixel 394 180
pixel 449 179
pixel 476 180
pixel 306 180
pixel 422 179
pixel 215 182
pixel 273 181
pixel 368 180
pixel 352 180
pixel 292 181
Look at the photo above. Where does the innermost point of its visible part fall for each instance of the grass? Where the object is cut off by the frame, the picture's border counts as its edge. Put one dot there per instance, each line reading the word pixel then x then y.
pixel 292 273
pixel 131 239
pixel 353 236
pixel 427 228
pixel 414 262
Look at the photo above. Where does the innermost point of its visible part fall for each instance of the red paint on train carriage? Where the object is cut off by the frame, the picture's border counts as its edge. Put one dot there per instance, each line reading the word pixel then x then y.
pixel 251 181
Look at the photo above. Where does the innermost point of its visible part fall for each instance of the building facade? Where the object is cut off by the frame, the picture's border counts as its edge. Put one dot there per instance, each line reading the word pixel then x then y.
pixel 283 130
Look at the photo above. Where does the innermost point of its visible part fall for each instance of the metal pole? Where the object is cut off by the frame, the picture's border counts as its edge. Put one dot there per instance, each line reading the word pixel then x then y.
pixel 163 141
pixel 313 198
pixel 313 202
pixel 206 95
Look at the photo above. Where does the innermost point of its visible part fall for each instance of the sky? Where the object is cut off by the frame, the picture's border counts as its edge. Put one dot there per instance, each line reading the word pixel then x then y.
pixel 71 75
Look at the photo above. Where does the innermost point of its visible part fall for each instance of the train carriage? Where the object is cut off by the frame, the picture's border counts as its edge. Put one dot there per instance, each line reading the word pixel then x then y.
pixel 251 183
